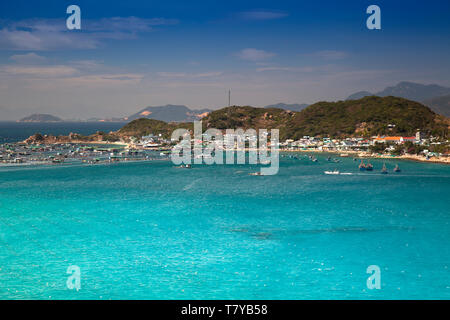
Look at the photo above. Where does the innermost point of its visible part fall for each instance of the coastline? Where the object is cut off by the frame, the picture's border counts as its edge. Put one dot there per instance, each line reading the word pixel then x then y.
pixel 52 140
pixel 364 154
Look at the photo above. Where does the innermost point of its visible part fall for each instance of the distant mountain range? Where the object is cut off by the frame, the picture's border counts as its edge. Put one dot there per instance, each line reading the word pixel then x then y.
pixel 359 95
pixel 439 104
pixel 434 96
pixel 40 118
pixel 170 113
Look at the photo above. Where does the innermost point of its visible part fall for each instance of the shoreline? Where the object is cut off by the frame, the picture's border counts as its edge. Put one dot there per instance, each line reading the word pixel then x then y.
pixel 121 144
pixel 365 154
pixel 341 153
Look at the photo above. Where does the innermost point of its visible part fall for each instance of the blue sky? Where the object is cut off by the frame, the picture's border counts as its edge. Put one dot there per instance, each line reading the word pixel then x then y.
pixel 131 54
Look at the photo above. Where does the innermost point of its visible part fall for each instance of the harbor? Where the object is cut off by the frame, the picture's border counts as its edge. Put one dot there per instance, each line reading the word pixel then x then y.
pixel 71 153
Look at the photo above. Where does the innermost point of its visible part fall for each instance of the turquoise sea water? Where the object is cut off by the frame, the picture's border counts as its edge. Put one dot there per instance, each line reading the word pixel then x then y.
pixel 148 230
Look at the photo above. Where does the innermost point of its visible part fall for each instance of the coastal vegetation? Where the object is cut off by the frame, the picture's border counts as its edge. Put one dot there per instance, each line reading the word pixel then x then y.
pixel 434 96
pixel 143 127
pixel 364 117
pixel 369 116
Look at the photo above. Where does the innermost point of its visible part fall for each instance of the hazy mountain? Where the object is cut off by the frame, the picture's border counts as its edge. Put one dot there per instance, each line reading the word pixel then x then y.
pixel 170 113
pixel 291 107
pixel 440 105
pixel 432 95
pixel 40 118
pixel 359 95
pixel 407 90
pixel 414 91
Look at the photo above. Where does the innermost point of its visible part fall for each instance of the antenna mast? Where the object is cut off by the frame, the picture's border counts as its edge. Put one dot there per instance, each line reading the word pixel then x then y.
pixel 229 98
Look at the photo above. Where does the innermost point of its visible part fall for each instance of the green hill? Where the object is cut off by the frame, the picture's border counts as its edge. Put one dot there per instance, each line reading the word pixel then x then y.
pixel 369 116
pixel 143 127
pixel 364 117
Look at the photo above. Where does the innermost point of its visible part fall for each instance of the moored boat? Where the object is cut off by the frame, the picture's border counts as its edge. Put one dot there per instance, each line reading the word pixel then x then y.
pixel 384 170
pixel 397 169
pixel 369 166
pixel 362 166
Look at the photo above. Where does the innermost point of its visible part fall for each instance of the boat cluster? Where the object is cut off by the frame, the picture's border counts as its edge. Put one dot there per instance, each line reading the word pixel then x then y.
pixel 297 157
pixel 18 153
pixel 369 167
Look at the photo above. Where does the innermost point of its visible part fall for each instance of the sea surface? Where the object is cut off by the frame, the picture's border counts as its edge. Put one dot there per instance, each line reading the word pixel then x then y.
pixel 19 131
pixel 149 230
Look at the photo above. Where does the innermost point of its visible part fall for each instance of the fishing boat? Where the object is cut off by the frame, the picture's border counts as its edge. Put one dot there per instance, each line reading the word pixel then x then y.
pixel 369 166
pixel 384 170
pixel 397 169
pixel 362 166
pixel 185 166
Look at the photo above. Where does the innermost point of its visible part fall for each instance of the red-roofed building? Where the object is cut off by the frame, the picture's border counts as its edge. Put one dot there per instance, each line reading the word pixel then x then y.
pixel 395 139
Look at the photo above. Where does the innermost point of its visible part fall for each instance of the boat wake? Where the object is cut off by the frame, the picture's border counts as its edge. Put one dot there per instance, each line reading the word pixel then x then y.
pixel 336 172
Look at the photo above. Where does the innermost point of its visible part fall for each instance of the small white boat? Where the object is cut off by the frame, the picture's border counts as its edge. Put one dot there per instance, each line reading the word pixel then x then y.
pixel 384 170
pixel 332 172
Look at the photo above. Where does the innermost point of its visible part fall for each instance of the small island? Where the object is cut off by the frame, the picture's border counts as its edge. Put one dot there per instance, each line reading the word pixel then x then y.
pixel 39 117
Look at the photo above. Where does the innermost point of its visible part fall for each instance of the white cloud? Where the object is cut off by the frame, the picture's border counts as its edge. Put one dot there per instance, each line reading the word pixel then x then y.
pixel 85 73
pixel 188 75
pixel 41 41
pixel 47 71
pixel 28 58
pixel 126 24
pixel 50 34
pixel 172 74
pixel 262 15
pixel 255 55
pixel 103 80
pixel 289 69
pixel 332 54
pixel 87 63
